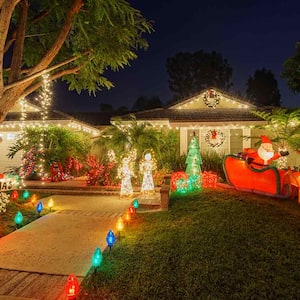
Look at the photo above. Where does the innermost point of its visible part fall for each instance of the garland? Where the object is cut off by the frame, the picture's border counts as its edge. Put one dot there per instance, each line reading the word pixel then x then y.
pixel 211 98
pixel 214 138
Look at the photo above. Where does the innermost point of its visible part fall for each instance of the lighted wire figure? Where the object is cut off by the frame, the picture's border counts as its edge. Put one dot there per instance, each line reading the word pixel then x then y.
pixel 147 166
pixel 125 172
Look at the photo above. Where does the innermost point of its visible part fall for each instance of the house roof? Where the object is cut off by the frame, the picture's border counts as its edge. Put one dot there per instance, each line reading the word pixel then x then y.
pixel 209 106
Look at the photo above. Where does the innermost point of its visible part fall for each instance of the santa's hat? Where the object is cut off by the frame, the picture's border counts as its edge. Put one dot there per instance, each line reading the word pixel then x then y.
pixel 265 139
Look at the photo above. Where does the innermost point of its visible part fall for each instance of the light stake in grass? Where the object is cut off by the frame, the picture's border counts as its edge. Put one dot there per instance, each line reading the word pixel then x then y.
pixel 33 199
pixel 25 194
pixel 127 216
pixel 39 207
pixel 136 203
pixel 97 258
pixel 72 287
pixel 18 219
pixel 110 239
pixel 50 203
pixel 120 225
pixel 131 210
pixel 15 195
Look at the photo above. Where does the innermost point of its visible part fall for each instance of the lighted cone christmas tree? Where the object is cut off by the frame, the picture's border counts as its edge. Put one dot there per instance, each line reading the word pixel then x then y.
pixel 193 168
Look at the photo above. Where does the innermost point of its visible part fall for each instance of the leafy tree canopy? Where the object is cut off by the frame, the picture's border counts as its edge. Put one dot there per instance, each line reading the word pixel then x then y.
pixel 262 88
pixel 190 73
pixel 291 71
pixel 75 40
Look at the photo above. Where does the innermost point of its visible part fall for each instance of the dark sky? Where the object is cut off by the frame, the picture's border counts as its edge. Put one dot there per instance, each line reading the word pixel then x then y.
pixel 250 34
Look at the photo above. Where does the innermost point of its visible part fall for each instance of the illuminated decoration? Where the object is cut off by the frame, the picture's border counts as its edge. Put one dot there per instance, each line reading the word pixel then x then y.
pixel 24 137
pixel 268 181
pixel 120 225
pixel 110 239
pixel 131 209
pixel 72 287
pixel 214 138
pixel 50 203
pixel 44 99
pixel 127 216
pixel 211 98
pixel 33 199
pixel 4 200
pixel 97 258
pixel 209 180
pixel 135 203
pixel 18 218
pixel 25 194
pixel 111 156
pixel 15 195
pixel 176 176
pixel 147 166
pixel 194 162
pixel 282 161
pixel 125 171
pixel 39 207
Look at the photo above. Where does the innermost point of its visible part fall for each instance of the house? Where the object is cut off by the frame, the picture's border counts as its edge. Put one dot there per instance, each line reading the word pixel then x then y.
pixel 218 119
pixel 25 113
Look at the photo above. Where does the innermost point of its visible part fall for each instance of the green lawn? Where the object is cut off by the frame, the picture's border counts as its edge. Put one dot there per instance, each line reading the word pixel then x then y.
pixel 217 244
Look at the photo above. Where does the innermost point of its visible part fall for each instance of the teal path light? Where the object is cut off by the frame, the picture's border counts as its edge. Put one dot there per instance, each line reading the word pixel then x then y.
pixel 25 194
pixel 97 258
pixel 136 203
pixel 18 218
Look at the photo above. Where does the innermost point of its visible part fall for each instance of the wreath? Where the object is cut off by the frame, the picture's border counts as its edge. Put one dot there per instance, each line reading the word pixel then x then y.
pixel 211 98
pixel 214 138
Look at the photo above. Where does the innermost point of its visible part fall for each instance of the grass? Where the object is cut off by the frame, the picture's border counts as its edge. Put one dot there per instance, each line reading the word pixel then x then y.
pixel 217 244
pixel 7 224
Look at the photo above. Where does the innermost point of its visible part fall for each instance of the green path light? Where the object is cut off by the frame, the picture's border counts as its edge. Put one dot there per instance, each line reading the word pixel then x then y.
pixel 97 258
pixel 18 218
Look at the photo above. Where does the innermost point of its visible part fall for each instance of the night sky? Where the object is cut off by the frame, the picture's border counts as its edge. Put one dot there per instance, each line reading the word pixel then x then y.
pixel 250 34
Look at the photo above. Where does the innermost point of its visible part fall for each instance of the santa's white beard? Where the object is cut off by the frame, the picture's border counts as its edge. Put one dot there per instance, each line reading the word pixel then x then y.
pixel 265 155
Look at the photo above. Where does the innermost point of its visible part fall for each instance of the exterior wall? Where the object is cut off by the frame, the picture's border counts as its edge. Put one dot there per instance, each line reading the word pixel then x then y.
pixel 8 139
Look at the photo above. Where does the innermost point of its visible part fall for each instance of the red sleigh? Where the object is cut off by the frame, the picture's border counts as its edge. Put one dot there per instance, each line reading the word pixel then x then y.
pixel 268 181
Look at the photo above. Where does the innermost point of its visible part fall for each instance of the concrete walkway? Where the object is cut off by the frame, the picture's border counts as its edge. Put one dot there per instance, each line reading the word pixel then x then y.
pixel 63 242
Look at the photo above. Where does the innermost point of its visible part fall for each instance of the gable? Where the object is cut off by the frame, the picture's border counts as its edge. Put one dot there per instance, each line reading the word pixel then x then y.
pixel 25 106
pixel 212 98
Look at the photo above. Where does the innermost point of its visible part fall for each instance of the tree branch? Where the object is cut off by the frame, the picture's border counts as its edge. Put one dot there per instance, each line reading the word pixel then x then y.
pixel 37 74
pixel 19 42
pixel 54 76
pixel 52 52
pixel 7 8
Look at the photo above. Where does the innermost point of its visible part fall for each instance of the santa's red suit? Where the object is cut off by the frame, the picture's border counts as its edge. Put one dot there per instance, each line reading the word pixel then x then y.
pixel 264 155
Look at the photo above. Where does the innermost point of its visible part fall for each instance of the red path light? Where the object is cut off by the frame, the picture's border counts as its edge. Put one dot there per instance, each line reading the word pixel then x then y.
pixel 72 287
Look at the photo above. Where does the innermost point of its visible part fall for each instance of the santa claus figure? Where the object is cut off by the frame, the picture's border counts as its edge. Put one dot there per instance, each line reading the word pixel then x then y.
pixel 264 154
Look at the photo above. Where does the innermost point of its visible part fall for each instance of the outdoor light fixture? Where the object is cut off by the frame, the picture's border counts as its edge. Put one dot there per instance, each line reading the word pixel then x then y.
pixel 25 194
pixel 97 258
pixel 72 287
pixel 50 203
pixel 110 239
pixel 18 218
pixel 120 225
pixel 127 216
pixel 33 199
pixel 131 209
pixel 15 195
pixel 135 203
pixel 39 207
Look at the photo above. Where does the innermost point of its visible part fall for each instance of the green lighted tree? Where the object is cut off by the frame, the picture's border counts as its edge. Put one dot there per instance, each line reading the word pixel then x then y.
pixel 194 162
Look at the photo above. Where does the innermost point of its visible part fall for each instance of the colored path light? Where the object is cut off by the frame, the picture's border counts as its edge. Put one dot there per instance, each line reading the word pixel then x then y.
pixel 120 225
pixel 25 194
pixel 50 203
pixel 39 207
pixel 18 218
pixel 136 203
pixel 131 209
pixel 72 287
pixel 97 258
pixel 33 199
pixel 15 195
pixel 110 239
pixel 127 216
